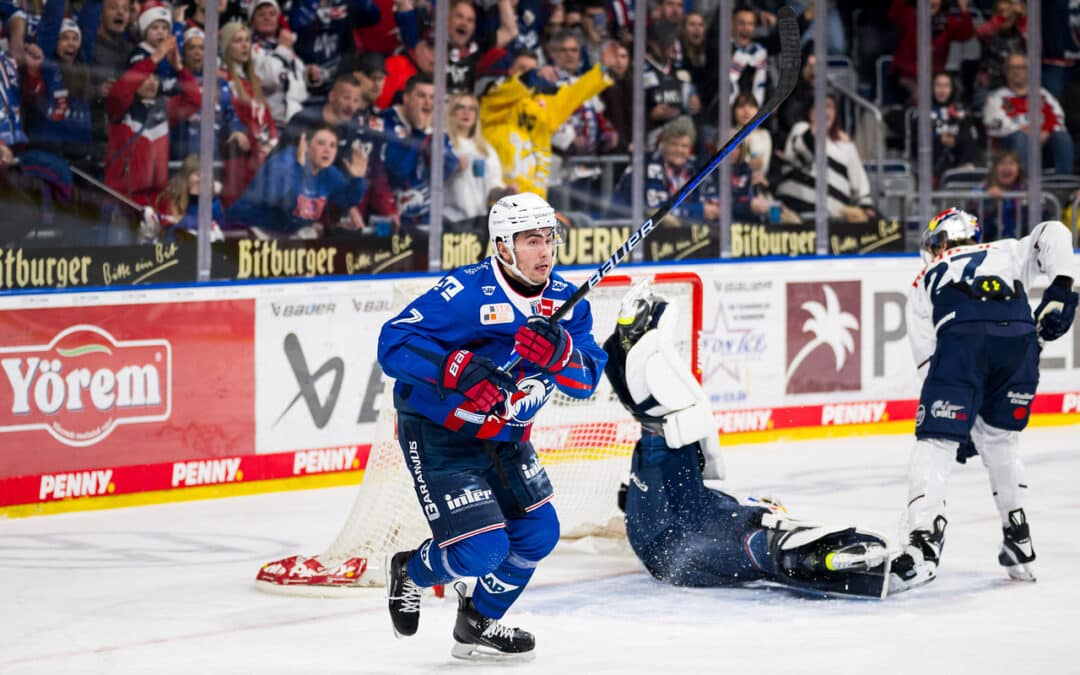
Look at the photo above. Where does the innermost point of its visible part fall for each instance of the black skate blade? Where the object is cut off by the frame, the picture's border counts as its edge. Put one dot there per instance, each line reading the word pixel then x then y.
pixel 480 653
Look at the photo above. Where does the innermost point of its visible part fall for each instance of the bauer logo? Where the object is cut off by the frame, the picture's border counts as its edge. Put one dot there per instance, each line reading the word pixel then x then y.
pixel 823 337
pixel 83 384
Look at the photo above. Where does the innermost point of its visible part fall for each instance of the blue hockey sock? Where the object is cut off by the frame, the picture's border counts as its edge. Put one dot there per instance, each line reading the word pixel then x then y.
pixel 427 566
pixel 530 539
pixel 474 556
pixel 496 591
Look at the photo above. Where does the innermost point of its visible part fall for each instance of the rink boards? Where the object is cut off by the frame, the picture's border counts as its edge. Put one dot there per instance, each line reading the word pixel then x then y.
pixel 109 398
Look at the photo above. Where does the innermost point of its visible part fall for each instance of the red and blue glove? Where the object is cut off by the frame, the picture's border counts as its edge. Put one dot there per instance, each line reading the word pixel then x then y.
pixel 544 343
pixel 477 378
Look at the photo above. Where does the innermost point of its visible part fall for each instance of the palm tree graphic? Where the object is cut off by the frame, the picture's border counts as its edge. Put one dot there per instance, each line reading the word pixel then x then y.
pixel 830 326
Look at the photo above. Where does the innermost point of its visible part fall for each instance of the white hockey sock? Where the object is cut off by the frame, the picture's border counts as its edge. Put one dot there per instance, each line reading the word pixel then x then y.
pixel 999 450
pixel 928 471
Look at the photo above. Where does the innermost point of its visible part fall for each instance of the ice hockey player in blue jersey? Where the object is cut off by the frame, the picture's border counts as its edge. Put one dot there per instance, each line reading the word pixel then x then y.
pixel 464 423
pixel 685 532
pixel 977 345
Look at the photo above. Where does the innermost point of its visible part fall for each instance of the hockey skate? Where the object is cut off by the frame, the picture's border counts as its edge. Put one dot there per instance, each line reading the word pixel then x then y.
pixel 299 575
pixel 917 565
pixel 477 637
pixel 403 595
pixel 834 561
pixel 1017 553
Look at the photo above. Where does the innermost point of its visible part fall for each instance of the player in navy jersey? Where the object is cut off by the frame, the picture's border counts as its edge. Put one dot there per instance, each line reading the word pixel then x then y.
pixel 977 345
pixel 464 423
pixel 686 532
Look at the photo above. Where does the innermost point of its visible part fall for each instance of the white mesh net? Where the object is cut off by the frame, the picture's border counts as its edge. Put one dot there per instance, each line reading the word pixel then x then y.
pixel 585 445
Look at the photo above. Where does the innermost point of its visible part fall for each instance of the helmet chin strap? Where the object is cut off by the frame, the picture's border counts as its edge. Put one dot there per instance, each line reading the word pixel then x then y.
pixel 513 269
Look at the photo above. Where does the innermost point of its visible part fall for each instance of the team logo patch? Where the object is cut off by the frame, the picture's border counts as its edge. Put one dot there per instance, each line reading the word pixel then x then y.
pixel 546 307
pixel 948 411
pixel 499 312
pixel 425 554
pixel 920 415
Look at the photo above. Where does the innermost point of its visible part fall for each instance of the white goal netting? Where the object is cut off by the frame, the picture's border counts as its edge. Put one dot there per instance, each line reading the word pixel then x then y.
pixel 585 445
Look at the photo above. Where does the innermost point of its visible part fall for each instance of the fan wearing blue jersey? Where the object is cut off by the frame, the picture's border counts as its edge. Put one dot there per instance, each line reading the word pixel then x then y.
pixel 464 423
pixel 977 344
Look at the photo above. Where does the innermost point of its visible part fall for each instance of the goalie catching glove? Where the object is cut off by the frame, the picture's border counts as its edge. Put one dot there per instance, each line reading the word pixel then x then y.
pixel 1055 313
pixel 544 343
pixel 654 383
pixel 477 378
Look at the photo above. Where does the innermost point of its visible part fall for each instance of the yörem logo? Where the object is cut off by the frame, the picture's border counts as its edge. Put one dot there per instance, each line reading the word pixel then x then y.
pixel 83 384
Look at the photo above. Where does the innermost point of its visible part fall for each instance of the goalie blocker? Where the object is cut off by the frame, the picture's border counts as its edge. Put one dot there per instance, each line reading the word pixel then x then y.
pixel 688 534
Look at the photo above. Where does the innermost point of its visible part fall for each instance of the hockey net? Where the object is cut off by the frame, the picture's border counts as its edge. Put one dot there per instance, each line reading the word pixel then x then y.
pixel 585 445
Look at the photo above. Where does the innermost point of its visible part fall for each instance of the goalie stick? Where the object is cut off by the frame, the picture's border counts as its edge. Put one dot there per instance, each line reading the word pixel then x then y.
pixel 790 67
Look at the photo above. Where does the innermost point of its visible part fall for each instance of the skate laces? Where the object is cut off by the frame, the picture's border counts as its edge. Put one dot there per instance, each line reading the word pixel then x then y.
pixel 410 596
pixel 497 630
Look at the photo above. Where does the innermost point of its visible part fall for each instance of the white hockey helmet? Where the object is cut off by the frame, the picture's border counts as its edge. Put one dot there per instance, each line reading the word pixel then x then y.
pixel 520 213
pixel 950 225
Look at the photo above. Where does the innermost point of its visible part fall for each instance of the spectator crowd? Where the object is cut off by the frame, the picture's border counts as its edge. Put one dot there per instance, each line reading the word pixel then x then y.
pixel 323 110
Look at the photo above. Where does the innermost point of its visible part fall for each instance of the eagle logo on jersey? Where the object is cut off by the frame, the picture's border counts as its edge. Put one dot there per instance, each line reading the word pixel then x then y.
pixel 524 403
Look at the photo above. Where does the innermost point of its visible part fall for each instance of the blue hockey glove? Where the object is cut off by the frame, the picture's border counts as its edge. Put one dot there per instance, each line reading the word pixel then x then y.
pixel 477 378
pixel 544 343
pixel 1055 313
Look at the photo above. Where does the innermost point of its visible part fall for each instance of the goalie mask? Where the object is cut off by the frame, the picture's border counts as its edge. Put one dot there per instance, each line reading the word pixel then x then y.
pixel 654 381
pixel 950 225
pixel 514 214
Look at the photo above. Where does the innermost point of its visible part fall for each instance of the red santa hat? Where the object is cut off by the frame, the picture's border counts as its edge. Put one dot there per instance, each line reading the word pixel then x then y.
pixel 151 12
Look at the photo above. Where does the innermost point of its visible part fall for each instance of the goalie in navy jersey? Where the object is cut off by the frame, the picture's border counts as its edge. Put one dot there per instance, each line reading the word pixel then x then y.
pixel 464 423
pixel 977 344
pixel 687 533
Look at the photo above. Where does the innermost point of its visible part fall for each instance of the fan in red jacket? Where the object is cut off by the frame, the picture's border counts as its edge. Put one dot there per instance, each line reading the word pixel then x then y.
pixel 137 155
pixel 946 28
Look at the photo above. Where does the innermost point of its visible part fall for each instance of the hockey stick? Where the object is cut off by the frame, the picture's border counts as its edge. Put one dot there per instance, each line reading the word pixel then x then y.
pixel 123 199
pixel 790 68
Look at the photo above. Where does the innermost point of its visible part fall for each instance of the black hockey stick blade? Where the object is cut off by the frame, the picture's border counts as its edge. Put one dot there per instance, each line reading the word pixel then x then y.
pixel 790 67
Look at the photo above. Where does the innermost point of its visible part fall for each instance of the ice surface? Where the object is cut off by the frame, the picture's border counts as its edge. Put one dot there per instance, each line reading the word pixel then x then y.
pixel 167 589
